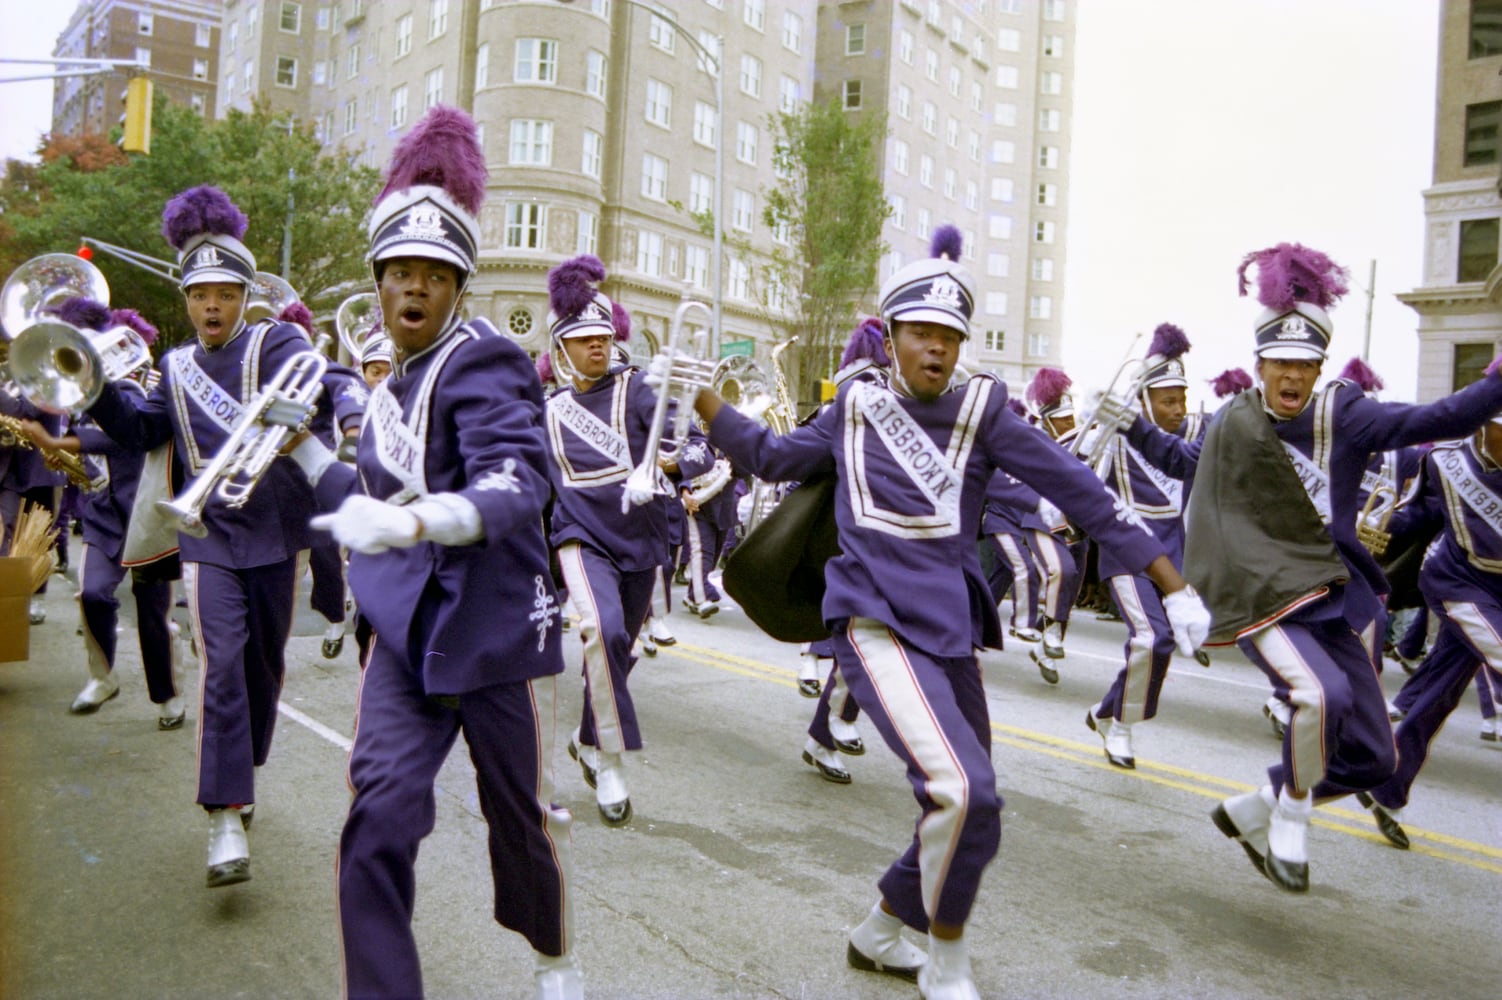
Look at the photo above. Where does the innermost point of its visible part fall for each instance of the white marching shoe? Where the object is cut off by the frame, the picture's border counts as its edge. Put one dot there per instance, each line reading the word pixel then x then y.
pixel 946 974
pixel 808 676
pixel 1117 737
pixel 229 849
pixel 38 611
pixel 877 945
pixel 333 640
pixel 660 633
pixel 847 739
pixel 1287 846
pixel 610 790
pixel 1244 818
pixel 557 977
pixel 95 693
pixel 170 714
pixel 1053 639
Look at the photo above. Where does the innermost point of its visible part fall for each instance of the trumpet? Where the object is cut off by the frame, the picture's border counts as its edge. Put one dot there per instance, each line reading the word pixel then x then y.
pixel 278 412
pixel 1107 409
pixel 1371 527
pixel 65 462
pixel 687 377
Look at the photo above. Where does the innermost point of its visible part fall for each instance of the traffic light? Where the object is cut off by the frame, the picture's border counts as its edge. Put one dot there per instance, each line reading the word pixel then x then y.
pixel 137 135
pixel 827 390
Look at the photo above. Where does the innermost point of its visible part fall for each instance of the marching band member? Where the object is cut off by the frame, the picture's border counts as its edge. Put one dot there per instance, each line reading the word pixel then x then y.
pixel 443 517
pixel 26 479
pixel 1011 516
pixel 240 577
pixel 1461 579
pixel 104 515
pixel 375 359
pixel 598 424
pixel 1059 561
pixel 1271 543
pixel 1158 500
pixel 709 501
pixel 906 600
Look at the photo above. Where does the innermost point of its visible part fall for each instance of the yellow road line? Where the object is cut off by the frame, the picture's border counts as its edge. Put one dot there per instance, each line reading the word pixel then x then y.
pixel 1357 823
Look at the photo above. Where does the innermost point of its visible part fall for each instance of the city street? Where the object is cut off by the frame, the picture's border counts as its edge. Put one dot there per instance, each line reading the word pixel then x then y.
pixel 742 870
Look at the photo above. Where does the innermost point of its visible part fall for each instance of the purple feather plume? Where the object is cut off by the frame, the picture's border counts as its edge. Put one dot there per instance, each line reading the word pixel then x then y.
pixel 1168 342
pixel 203 209
pixel 866 343
pixel 1048 387
pixel 84 313
pixel 1496 364
pixel 1360 372
pixel 1015 405
pixel 620 319
pixel 299 314
pixel 947 242
pixel 545 368
pixel 571 284
pixel 137 322
pixel 443 149
pixel 1230 382
pixel 1290 273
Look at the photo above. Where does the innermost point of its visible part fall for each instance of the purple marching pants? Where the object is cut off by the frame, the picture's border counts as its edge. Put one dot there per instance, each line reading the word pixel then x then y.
pixel 99 577
pixel 1133 696
pixel 833 697
pixel 327 597
pixel 612 606
pixel 702 544
pixel 1015 568
pixel 243 618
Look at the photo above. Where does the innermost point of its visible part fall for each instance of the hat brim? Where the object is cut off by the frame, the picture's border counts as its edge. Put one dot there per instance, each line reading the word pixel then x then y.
pixel 1291 352
pixel 214 275
pixel 420 248
pixel 1167 383
pixel 924 315
pixel 588 330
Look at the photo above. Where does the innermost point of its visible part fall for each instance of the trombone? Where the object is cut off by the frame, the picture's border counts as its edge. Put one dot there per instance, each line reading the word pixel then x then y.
pixel 281 410
pixel 687 376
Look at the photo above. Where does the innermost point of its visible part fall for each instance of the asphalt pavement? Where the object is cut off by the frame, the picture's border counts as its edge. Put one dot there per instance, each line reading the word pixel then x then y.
pixel 742 870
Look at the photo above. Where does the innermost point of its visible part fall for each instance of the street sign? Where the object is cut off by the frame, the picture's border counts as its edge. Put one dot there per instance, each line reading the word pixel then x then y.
pixel 730 348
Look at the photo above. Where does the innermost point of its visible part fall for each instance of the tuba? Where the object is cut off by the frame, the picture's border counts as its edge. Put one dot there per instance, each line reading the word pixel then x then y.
pixel 687 377
pixel 56 365
pixel 267 296
pixel 740 381
pixel 356 317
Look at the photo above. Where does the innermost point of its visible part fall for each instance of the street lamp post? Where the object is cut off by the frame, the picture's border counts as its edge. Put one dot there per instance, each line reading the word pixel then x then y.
pixel 714 65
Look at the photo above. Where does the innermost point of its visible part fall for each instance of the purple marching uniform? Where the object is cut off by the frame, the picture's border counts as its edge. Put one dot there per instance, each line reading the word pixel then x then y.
pixel 25 478
pixel 239 577
pixel 610 561
pixel 908 604
pixel 1157 499
pixel 325 561
pixel 1461 581
pixel 462 418
pixel 707 529
pixel 1010 519
pixel 1317 648
pixel 104 516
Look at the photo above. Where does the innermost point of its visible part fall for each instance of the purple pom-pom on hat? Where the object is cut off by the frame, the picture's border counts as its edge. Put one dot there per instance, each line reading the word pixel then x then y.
pixel 299 314
pixel 137 322
pixel 620 320
pixel 1361 373
pixel 545 368
pixel 1230 382
pixel 579 309
pixel 947 242
pixel 1296 286
pixel 867 343
pixel 442 151
pixel 1168 342
pixel 1048 389
pixel 84 313
pixel 198 211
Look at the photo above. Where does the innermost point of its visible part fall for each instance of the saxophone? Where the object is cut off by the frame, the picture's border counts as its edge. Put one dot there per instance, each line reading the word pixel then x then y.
pixel 783 415
pixel 65 462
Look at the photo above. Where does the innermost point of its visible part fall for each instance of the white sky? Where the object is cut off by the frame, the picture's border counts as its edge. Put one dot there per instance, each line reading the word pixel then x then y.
pixel 1204 129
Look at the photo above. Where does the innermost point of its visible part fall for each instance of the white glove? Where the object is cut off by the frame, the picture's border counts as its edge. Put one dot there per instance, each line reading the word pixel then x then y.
pixel 682 374
pixel 365 524
pixel 1189 618
pixel 1114 413
pixel 658 369
pixel 757 407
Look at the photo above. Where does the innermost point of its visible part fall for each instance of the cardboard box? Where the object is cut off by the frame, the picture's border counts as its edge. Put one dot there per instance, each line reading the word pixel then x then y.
pixel 15 601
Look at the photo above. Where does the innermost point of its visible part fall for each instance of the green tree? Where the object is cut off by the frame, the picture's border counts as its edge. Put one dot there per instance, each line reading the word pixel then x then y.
pixel 260 159
pixel 829 203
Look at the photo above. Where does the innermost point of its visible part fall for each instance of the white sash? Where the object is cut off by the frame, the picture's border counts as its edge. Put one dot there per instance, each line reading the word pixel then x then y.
pixel 211 398
pixel 400 450
pixel 1462 481
pixel 1314 480
pixel 591 430
pixel 1371 480
pixel 1171 488
pixel 927 466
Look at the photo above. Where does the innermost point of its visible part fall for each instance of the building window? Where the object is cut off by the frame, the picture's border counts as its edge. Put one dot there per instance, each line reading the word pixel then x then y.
pixel 1053 45
pixel 145 23
pixel 323 19
pixel 926 170
pixel 1470 363
pixel 792 31
pixel 930 119
pixel 1481 122
pixel 789 94
pixel 704 124
pixel 659 103
pixel 1050 120
pixel 1043 232
pixel 432 88
pixel 751 75
pixel 1051 83
pixel 899 156
pixel 438 18
pixel 998 265
pixel 754 13
pixel 531 142
pixel 660 32
pixel 399 107
pixel 1486 28
pixel 972 195
pixel 519 322
pixel 899 211
pixel 1478 249
pixel 949 180
pixel 286 71
pixel 482 66
pixel 1009 40
pixel 905 46
pixel 249 69
pixel 747 139
pixel 1007 77
pixel 143 56
pixel 589 233
pixel 251 17
pixel 999 226
pixel 952 133
pixel 200 69
pixel 855 39
pixel 198 104
pixel 696 266
pixel 925 223
pixel 1053 10
pixel 903 104
pixel 1048 156
pixel 1040 307
pixel 403 35
pixel 351 116
pixel 229 85
pixel 1048 195
pixel 524 225
pixel 352 62
pixel 203 35
pixel 712 44
pixel 1042 268
pixel 654 177
pixel 1003 151
pixel 1037 344
pixel 996 341
pixel 594 146
pixel 291 19
pixel 536 60
pixel 996 303
pixel 594 74
pixel 649 254
pixel 852 92
pixel 955 80
pixel 743 210
pixel 700 193
pixel 931 64
pixel 740 280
